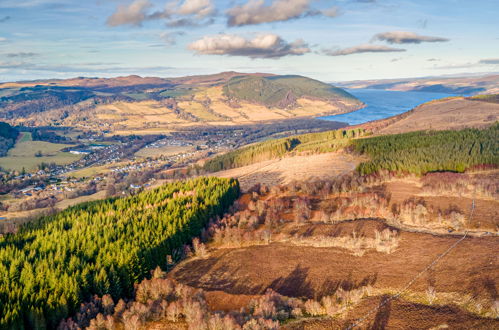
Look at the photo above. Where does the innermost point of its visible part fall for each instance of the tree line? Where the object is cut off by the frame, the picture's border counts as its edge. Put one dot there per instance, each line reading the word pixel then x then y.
pixel 430 151
pixel 312 142
pixel 52 265
pixel 8 136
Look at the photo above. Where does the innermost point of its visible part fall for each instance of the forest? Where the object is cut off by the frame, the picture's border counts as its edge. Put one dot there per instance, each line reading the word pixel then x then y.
pixel 52 265
pixel 328 141
pixel 8 136
pixel 430 151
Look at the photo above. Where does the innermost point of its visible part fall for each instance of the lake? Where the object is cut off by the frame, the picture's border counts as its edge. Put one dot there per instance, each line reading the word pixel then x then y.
pixel 382 104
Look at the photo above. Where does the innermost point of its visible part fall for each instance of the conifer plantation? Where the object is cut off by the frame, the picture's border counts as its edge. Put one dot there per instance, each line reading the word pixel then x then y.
pixel 52 265
pixel 328 141
pixel 430 151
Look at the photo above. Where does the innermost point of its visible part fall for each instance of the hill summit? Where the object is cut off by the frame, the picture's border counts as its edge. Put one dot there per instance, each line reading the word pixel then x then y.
pixel 136 103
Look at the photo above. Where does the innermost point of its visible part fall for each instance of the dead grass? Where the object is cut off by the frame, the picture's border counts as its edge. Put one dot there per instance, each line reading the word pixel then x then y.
pixel 285 170
pixel 385 241
pixel 455 113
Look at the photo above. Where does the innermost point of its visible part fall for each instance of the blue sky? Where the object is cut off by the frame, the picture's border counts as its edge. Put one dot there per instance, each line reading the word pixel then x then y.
pixel 324 39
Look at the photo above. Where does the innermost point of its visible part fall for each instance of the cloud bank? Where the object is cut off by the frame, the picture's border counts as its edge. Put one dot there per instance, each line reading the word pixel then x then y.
pixel 133 14
pixel 489 61
pixel 185 13
pixel 21 54
pixel 365 48
pixel 199 8
pixel 404 37
pixel 261 46
pixel 257 12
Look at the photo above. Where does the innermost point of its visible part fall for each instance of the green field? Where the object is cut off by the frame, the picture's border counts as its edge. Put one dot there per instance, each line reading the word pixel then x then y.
pixel 24 137
pixel 23 154
pixel 163 151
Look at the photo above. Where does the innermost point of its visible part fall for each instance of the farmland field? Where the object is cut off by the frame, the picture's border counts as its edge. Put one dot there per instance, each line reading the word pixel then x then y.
pixel 23 154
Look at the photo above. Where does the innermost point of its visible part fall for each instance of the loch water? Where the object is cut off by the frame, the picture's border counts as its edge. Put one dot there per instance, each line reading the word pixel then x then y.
pixel 382 104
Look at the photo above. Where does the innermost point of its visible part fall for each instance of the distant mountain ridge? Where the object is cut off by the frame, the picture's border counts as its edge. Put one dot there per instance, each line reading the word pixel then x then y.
pixel 135 102
pixel 486 84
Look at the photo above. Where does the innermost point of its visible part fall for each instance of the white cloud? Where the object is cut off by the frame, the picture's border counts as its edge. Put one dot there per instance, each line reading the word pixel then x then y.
pixel 365 48
pixel 261 46
pixel 199 8
pixel 404 37
pixel 257 12
pixel 331 12
pixel 186 13
pixel 133 14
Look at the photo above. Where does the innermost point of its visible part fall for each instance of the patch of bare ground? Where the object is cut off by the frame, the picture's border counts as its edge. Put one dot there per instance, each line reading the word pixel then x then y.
pixel 284 170
pixel 398 314
pixel 223 301
pixel 453 113
pixel 303 271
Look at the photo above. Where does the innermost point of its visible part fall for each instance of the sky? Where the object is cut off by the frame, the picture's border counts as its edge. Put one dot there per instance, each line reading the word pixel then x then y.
pixel 329 40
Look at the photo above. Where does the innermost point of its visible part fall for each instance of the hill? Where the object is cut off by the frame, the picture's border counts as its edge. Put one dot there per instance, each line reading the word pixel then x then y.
pixel 448 113
pixel 487 84
pixel 282 91
pixel 132 103
pixel 100 247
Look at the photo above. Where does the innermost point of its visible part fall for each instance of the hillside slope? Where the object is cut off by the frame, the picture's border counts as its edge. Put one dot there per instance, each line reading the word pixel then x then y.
pixel 282 91
pixel 131 103
pixel 448 113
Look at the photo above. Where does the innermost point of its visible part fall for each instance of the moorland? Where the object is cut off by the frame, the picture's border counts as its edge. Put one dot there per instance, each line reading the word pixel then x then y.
pixel 297 223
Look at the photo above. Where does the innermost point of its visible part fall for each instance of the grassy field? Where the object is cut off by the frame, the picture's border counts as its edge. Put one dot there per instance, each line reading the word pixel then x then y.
pixel 23 154
pixel 24 137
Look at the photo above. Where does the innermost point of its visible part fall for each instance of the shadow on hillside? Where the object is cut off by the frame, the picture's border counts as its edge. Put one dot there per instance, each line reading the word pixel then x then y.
pixel 296 284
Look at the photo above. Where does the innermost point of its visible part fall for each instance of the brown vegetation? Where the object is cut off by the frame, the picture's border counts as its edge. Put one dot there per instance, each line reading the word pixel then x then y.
pixel 449 113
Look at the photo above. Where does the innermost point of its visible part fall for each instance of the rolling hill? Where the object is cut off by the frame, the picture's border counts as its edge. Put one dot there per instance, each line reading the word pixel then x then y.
pixel 487 84
pixel 448 113
pixel 281 91
pixel 130 103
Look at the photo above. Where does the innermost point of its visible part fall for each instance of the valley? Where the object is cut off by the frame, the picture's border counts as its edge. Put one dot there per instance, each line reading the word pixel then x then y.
pixel 121 105
pixel 249 165
pixel 249 214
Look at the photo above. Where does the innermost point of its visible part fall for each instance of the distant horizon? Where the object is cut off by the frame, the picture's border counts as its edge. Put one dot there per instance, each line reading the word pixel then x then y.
pixel 448 76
